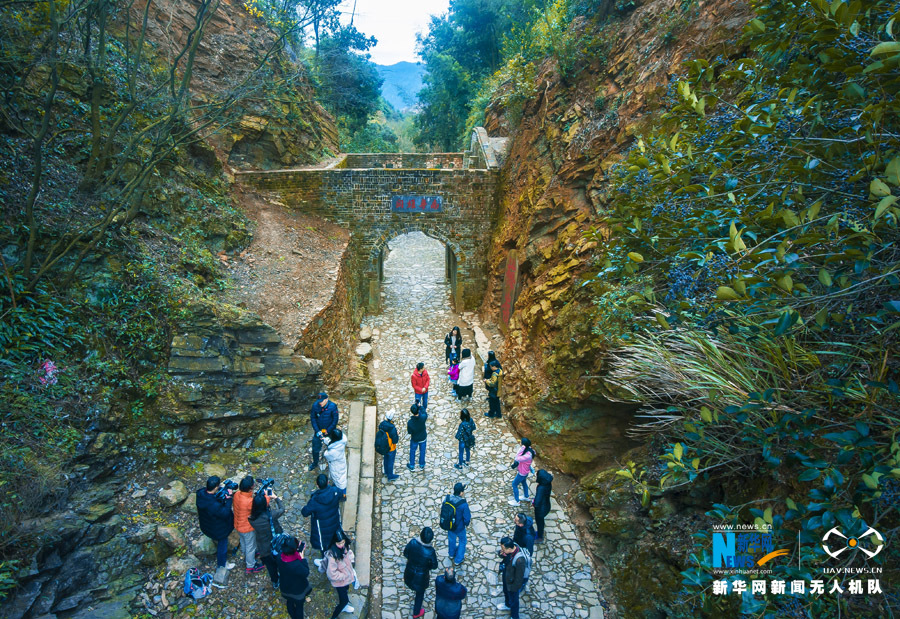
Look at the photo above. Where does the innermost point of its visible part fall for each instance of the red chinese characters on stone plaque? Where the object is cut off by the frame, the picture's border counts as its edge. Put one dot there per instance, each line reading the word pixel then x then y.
pixel 417 204
pixel 510 279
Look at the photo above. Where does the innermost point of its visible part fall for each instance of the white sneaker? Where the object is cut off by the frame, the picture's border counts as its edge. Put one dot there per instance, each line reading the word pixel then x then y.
pixel 348 609
pixel 503 606
pixel 229 566
pixel 514 503
pixel 318 562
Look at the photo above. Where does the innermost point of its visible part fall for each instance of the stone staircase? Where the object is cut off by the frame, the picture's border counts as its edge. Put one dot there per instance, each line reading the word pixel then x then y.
pixel 357 514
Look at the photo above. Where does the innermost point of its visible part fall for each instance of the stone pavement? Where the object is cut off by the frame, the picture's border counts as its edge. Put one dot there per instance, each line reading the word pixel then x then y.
pixel 416 316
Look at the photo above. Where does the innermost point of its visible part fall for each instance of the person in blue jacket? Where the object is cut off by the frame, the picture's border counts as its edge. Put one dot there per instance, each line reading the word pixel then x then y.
pixel 216 518
pixel 448 595
pixel 324 510
pixel 456 537
pixel 324 418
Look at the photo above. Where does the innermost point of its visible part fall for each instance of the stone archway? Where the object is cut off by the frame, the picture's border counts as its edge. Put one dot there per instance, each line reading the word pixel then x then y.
pixel 451 262
pixel 447 196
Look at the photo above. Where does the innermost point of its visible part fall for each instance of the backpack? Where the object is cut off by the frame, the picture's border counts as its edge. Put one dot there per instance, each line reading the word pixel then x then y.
pixel 448 511
pixel 197 586
pixel 526 556
pixel 382 442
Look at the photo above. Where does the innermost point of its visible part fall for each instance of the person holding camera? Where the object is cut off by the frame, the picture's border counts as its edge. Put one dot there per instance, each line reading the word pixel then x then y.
pixel 241 506
pixel 293 573
pixel 267 509
pixel 324 511
pixel 324 418
pixel 420 560
pixel 216 517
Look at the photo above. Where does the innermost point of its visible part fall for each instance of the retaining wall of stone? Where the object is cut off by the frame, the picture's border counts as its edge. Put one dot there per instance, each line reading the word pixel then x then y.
pixel 331 333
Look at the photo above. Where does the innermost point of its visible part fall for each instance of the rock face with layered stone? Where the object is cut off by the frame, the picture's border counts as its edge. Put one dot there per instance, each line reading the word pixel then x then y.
pixel 235 379
pixel 553 191
pixel 290 129
pixel 84 558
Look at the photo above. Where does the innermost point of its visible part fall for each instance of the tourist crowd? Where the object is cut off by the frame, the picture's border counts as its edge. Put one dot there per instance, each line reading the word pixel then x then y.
pixel 253 509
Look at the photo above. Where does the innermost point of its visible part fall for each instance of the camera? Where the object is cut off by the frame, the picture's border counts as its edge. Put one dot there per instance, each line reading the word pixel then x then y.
pixel 265 486
pixel 227 485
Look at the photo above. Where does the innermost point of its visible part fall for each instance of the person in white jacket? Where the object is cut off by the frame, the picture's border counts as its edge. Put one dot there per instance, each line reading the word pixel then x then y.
pixel 466 375
pixel 336 456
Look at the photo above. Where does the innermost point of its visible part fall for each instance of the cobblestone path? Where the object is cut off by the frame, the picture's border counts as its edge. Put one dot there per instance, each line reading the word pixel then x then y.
pixel 411 328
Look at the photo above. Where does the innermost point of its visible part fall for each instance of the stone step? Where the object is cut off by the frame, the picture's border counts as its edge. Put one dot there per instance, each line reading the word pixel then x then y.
pixel 366 498
pixel 357 512
pixel 354 457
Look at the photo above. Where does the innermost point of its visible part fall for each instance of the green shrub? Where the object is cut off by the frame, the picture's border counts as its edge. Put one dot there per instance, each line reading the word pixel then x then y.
pixel 763 205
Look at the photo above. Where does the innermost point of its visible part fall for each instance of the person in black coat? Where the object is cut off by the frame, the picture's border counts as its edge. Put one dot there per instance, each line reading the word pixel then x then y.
pixel 216 518
pixel 448 595
pixel 324 509
pixel 524 533
pixel 324 418
pixel 542 502
pixel 294 577
pixel 264 515
pixel 418 436
pixel 420 560
pixel 452 344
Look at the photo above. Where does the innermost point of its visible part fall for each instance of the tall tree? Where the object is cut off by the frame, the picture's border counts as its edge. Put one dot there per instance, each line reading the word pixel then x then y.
pixel 460 50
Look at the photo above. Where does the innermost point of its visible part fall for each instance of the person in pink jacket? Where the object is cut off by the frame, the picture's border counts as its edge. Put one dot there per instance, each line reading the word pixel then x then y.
pixel 338 564
pixel 522 464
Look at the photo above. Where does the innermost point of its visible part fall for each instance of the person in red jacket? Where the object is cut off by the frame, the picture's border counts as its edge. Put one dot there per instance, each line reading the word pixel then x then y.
pixel 420 381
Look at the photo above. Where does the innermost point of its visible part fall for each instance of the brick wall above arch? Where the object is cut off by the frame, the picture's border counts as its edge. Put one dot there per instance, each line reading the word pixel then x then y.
pixel 361 199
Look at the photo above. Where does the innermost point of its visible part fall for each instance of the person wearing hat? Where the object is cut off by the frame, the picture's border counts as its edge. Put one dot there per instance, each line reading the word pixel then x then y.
pixel 390 430
pixel 456 535
pixel 324 418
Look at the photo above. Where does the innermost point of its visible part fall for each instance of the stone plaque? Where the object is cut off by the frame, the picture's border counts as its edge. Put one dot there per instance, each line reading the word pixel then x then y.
pixel 510 279
pixel 417 204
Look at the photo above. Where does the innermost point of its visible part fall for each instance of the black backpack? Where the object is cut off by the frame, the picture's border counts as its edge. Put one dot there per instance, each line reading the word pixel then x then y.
pixel 382 444
pixel 448 511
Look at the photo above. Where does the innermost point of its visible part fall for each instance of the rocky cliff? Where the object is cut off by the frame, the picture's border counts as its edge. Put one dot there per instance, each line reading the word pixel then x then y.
pixel 279 122
pixel 554 182
pixel 553 187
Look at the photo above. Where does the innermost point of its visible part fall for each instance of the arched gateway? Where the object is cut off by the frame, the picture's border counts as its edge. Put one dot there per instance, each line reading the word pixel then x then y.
pixel 448 196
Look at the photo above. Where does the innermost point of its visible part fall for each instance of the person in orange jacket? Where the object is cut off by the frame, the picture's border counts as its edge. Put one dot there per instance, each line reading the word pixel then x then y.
pixel 241 505
pixel 420 382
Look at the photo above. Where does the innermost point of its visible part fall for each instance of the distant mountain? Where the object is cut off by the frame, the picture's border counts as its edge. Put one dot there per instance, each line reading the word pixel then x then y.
pixel 402 83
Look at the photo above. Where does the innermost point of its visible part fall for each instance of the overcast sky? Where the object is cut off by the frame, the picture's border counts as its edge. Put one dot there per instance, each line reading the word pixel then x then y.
pixel 395 24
